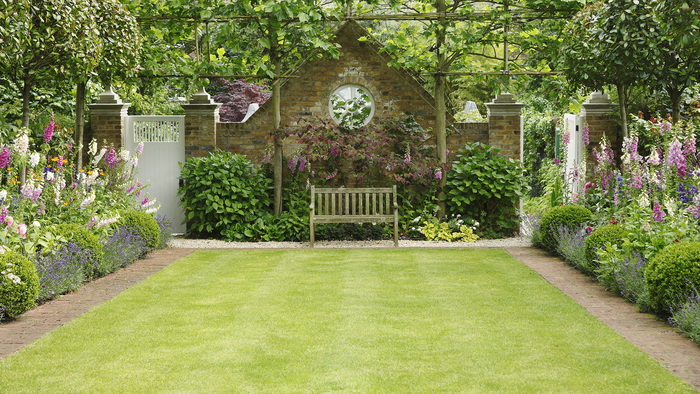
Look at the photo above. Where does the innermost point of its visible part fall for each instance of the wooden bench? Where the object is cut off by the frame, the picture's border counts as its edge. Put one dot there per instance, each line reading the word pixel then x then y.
pixel 354 205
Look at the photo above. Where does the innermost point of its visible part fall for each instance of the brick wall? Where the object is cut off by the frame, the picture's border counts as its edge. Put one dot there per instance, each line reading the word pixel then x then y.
pixel 306 96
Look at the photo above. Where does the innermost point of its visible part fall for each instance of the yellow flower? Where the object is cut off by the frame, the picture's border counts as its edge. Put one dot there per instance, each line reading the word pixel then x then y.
pixel 89 172
pixel 102 173
pixel 55 158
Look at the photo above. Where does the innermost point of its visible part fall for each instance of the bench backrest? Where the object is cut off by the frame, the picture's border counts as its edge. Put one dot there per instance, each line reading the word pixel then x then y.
pixel 330 203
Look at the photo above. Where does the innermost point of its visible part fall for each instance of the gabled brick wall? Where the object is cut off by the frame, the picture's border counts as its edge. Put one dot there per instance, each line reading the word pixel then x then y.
pixel 306 94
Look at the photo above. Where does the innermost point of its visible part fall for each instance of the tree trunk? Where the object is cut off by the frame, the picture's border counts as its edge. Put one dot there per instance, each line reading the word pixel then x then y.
pixel 675 95
pixel 79 122
pixel 623 94
pixel 276 114
pixel 440 109
pixel 26 96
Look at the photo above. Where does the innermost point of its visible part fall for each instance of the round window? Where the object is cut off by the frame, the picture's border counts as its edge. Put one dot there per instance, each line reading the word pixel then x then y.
pixel 351 106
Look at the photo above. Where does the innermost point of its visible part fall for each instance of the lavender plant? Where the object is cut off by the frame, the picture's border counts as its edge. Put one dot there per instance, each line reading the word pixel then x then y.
pixel 61 269
pixel 687 317
pixel 621 269
pixel 121 248
pixel 165 226
pixel 571 245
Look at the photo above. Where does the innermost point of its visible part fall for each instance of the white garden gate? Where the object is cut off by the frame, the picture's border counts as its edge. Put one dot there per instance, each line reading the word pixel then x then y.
pixel 164 148
pixel 575 160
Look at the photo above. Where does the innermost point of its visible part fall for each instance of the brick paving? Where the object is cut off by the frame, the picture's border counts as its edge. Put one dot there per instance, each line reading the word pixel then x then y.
pixel 648 333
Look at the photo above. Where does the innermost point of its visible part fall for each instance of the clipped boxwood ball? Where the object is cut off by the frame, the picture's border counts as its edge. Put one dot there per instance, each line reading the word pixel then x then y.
pixel 143 224
pixel 610 233
pixel 569 216
pixel 87 240
pixel 19 284
pixel 673 274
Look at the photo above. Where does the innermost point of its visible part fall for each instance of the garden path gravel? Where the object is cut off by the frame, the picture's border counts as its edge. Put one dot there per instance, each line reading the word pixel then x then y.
pixel 179 242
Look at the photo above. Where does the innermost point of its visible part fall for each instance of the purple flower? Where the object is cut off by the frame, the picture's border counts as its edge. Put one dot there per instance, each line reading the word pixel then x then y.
pixel 5 157
pixel 292 163
pixel 111 158
pixel 584 136
pixel 302 164
pixel 48 131
pixel 689 148
pixel 438 174
pixel 658 213
pixel 565 138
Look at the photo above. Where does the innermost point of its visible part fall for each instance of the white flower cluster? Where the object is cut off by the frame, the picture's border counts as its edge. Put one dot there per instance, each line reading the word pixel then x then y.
pixel 34 159
pixel 22 142
pixel 88 200
pixel 107 222
pixel 9 275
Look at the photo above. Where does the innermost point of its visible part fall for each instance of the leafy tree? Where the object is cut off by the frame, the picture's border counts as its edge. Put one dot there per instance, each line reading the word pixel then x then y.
pixel 607 44
pixel 120 43
pixel 46 38
pixel 625 43
pixel 678 49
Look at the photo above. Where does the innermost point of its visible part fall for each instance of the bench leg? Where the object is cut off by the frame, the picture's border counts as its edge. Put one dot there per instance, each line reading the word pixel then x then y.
pixel 312 235
pixel 396 232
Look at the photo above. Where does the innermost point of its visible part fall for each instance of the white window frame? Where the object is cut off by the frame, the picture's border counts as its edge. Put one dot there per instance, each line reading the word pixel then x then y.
pixel 354 90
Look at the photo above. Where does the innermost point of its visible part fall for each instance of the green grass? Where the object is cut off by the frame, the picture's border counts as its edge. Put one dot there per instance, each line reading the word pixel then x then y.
pixel 408 320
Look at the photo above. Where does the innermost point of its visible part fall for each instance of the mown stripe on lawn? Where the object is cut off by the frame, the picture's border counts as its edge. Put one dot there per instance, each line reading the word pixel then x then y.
pixel 418 320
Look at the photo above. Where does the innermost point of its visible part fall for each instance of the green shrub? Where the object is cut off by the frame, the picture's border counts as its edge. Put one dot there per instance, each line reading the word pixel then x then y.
pixel 87 240
pixel 350 231
pixel 568 216
pixel 143 224
pixel 485 187
pixel 673 275
pixel 220 191
pixel 19 284
pixel 610 233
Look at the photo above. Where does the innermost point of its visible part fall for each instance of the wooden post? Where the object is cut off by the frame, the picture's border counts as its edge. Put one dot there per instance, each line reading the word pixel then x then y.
pixel 440 109
pixel 276 114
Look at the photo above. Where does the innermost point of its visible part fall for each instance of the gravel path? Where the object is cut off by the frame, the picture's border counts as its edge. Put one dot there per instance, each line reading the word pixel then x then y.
pixel 179 242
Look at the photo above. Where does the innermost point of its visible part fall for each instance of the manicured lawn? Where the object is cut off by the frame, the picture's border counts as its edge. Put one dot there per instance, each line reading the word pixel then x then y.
pixel 407 320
